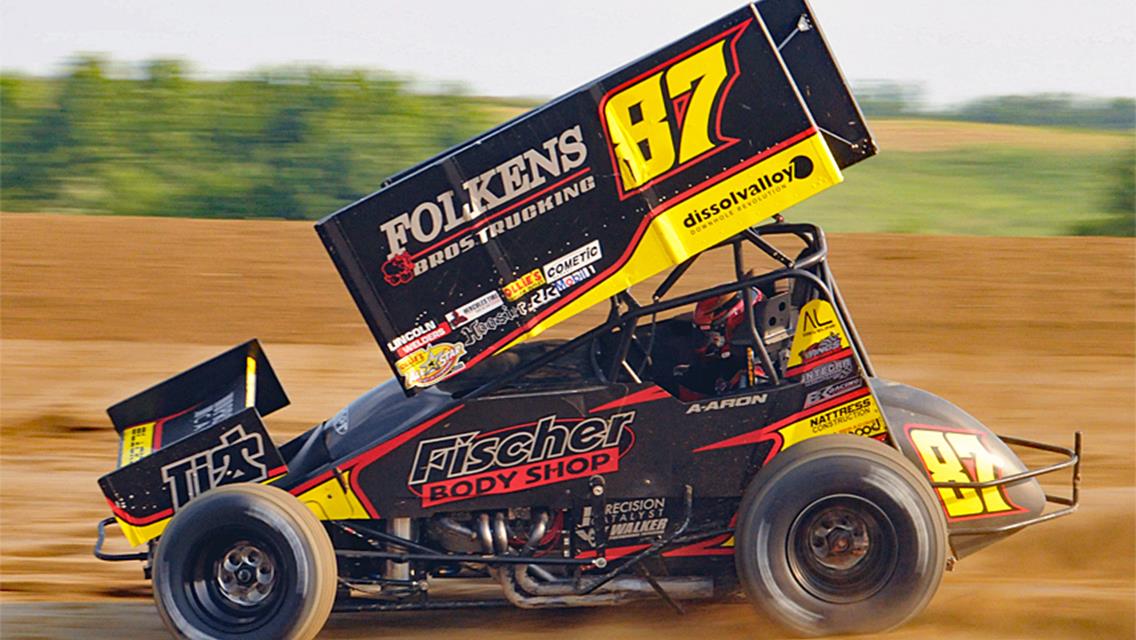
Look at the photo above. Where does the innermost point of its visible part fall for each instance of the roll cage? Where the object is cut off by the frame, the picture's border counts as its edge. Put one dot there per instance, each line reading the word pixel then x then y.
pixel 621 348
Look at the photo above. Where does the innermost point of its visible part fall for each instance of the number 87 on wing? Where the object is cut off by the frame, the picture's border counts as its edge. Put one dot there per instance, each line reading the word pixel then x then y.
pixel 669 117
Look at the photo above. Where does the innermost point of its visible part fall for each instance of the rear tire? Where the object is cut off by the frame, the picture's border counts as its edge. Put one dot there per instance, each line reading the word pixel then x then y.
pixel 840 534
pixel 245 561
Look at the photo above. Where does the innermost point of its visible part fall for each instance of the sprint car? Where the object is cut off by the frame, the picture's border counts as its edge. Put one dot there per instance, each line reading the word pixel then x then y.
pixel 601 469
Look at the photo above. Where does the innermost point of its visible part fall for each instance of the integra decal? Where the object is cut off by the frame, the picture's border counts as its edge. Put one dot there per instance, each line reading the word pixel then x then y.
pixel 835 370
pixel 475 464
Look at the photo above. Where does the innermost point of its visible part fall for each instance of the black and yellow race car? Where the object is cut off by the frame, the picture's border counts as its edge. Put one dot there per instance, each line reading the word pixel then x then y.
pixel 699 442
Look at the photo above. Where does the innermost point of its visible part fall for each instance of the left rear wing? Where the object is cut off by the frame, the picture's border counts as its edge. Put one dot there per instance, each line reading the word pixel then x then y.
pixel 195 400
pixel 500 238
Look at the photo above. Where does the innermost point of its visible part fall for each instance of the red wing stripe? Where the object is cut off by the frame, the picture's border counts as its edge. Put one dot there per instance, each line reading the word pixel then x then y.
pixel 634 243
pixel 764 433
pixel 135 520
pixel 364 459
pixel 650 394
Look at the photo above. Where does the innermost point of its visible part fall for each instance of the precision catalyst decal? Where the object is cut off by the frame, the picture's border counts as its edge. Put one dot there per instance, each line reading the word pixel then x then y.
pixel 799 168
pixel 626 519
pixel 475 464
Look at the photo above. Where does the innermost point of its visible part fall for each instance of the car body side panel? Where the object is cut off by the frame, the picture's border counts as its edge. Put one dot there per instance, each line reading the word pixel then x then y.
pixel 950 445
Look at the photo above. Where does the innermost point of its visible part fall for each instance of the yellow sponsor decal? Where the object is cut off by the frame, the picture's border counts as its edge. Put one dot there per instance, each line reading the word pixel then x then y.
pixel 136 535
pixel 668 240
pixel 951 456
pixel 818 333
pixel 859 416
pixel 334 500
pixel 137 443
pixel 524 284
pixel 432 364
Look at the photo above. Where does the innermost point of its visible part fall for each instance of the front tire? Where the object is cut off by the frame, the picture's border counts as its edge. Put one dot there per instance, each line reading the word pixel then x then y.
pixel 244 561
pixel 840 534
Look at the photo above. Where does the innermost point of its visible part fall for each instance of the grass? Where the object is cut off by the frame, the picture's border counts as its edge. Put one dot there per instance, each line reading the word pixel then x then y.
pixel 1026 181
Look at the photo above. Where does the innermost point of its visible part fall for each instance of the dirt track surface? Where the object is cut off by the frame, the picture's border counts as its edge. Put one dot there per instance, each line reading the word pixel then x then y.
pixel 1036 337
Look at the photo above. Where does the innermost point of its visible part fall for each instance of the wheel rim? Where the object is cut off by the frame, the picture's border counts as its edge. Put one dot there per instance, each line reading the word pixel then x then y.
pixel 842 549
pixel 235 579
pixel 246 574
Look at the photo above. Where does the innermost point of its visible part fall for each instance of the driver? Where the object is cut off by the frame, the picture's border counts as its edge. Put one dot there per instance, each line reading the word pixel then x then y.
pixel 718 365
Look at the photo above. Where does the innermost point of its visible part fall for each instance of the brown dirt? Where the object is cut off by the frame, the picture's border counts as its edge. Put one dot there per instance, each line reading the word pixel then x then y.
pixel 1037 337
pixel 941 135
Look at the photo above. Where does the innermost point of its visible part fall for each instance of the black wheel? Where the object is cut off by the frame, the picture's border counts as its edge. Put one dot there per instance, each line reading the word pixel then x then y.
pixel 245 561
pixel 840 534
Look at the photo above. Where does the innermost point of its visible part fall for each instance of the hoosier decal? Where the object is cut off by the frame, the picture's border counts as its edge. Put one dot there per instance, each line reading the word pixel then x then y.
pixel 475 464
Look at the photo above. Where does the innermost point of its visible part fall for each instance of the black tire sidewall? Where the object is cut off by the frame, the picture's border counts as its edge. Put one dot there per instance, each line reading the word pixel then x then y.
pixel 216 516
pixel 812 471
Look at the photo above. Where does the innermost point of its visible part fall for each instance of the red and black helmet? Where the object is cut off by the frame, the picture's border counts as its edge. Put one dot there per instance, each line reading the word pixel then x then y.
pixel 721 315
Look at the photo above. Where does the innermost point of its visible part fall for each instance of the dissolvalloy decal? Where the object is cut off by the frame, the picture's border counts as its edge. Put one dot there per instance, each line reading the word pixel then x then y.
pixel 500 238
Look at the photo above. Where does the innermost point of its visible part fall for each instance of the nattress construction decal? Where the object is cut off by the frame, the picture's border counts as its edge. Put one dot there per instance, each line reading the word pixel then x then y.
pixel 498 239
pixel 476 464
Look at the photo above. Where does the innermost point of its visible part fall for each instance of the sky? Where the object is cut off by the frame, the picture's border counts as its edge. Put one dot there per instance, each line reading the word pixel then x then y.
pixel 957 49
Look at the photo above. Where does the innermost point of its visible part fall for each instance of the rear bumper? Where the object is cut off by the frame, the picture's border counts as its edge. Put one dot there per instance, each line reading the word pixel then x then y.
pixel 1065 505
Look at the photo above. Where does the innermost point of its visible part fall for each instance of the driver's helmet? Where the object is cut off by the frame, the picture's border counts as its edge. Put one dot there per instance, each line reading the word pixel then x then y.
pixel 718 318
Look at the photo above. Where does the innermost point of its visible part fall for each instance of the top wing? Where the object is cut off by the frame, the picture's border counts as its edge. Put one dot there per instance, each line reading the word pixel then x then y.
pixel 498 239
